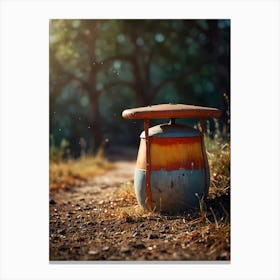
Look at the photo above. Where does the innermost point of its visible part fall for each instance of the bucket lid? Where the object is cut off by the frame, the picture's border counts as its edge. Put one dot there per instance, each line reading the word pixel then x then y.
pixel 166 111
pixel 171 131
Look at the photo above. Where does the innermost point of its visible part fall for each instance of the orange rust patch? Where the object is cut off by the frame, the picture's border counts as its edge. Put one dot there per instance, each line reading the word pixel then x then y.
pixel 172 154
pixel 141 157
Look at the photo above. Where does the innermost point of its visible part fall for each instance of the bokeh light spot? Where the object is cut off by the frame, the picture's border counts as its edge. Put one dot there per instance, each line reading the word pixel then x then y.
pixel 159 37
pixel 76 23
pixel 120 38
pixel 84 101
pixel 140 41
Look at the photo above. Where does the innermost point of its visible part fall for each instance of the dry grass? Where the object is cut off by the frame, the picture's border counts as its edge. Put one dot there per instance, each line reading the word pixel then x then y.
pixel 71 172
pixel 127 204
pixel 218 154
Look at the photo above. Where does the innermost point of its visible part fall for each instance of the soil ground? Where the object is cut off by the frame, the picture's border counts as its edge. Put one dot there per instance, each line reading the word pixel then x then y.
pixel 96 222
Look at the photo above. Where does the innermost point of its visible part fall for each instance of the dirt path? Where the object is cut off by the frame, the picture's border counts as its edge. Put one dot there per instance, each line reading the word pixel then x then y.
pixel 83 225
pixel 101 187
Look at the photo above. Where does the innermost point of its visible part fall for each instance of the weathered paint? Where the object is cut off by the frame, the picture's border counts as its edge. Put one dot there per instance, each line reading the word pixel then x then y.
pixel 178 168
pixel 172 153
pixel 172 190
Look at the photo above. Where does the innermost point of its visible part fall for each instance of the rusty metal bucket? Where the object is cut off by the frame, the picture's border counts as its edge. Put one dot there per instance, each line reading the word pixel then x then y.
pixel 172 171
pixel 179 173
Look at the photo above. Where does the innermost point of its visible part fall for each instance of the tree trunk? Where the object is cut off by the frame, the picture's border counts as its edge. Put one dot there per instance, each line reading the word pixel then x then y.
pixel 96 126
pixel 139 88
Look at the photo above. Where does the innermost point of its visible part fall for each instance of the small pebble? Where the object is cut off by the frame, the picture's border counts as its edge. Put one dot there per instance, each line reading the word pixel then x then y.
pixel 136 233
pixel 186 256
pixel 105 249
pixel 63 249
pixel 93 253
pixel 139 246
pixel 125 250
pixel 153 236
pixel 61 231
pixel 52 202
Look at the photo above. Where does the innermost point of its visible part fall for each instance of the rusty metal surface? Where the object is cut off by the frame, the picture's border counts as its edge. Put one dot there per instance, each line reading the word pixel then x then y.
pixel 172 154
pixel 174 190
pixel 171 168
pixel 165 111
pixel 168 130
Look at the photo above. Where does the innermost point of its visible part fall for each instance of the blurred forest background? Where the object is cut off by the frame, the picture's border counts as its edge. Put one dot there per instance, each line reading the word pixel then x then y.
pixel 98 68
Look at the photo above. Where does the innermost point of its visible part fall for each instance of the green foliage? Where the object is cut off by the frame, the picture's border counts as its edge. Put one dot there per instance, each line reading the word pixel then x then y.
pixel 58 153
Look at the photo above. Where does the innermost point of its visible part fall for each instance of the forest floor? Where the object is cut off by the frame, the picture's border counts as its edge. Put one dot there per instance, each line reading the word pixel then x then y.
pixel 100 220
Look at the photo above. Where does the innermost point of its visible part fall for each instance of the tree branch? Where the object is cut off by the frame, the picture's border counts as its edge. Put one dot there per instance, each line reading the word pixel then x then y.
pixel 157 88
pixel 113 58
pixel 118 83
pixel 83 83
pixel 148 67
pixel 71 75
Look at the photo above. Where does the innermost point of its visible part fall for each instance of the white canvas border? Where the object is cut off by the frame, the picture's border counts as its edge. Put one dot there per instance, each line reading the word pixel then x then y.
pixel 255 138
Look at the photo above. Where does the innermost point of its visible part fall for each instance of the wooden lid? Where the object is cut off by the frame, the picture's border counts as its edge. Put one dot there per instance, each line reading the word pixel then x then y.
pixel 167 111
